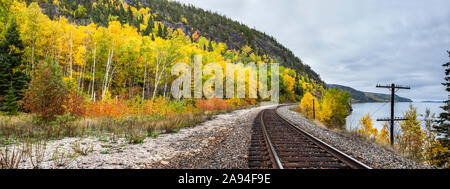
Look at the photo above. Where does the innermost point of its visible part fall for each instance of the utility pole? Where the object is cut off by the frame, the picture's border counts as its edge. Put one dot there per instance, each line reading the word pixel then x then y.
pixel 392 87
pixel 314 108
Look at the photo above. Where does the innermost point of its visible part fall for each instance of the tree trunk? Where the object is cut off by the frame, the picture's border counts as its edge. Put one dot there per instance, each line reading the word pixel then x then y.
pixel 158 76
pixel 108 65
pixel 145 77
pixel 108 85
pixel 165 86
pixel 71 44
pixel 93 74
pixel 84 69
pixel 32 56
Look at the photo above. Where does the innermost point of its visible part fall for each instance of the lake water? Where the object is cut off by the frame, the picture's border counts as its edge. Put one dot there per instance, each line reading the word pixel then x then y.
pixel 383 110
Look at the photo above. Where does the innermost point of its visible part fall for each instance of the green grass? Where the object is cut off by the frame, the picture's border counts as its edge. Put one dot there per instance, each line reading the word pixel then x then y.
pixel 153 135
pixel 103 139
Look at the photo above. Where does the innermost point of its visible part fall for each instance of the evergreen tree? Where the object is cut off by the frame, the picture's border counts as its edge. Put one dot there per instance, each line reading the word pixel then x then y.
pixel 10 103
pixel 130 16
pixel 298 88
pixel 160 32
pixel 149 28
pixel 210 47
pixel 137 25
pixel 122 14
pixel 153 37
pixel 11 65
pixel 165 33
pixel 443 123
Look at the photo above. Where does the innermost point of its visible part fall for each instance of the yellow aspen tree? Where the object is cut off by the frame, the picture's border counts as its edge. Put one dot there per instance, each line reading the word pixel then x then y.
pixel 31 21
pixel 333 107
pixel 411 140
pixel 306 104
pixel 433 151
pixel 4 13
pixel 366 127
pixel 383 137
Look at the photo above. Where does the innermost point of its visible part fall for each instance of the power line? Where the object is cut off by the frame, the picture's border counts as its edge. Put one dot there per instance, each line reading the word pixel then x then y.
pixel 379 108
pixel 352 119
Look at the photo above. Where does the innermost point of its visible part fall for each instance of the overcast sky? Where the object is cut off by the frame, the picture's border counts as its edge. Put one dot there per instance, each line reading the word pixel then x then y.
pixel 357 43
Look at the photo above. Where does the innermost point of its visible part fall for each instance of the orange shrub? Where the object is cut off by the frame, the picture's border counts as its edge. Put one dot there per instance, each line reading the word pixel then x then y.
pixel 219 104
pixel 157 106
pixel 204 104
pixel 160 106
pixel 46 93
pixel 239 102
pixel 75 104
pixel 105 109
pixel 211 104
pixel 123 108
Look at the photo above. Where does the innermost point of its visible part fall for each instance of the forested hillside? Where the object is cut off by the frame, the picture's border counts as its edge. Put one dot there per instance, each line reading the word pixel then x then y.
pixel 360 96
pixel 189 19
pixel 105 67
pixel 115 48
pixel 115 56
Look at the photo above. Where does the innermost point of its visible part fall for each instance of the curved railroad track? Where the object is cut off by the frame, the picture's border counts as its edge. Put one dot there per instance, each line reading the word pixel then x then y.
pixel 277 143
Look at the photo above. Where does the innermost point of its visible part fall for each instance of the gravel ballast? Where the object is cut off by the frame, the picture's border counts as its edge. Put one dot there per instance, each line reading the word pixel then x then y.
pixel 372 154
pixel 228 150
pixel 221 142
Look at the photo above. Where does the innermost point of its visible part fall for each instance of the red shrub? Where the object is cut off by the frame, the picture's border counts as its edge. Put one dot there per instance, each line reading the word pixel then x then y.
pixel 75 104
pixel 46 93
pixel 109 110
pixel 211 104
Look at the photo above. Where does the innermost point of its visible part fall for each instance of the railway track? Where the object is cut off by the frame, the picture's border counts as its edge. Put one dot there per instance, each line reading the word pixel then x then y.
pixel 277 143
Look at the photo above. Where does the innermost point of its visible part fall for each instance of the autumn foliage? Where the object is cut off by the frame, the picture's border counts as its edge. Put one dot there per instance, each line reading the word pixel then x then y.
pixel 412 140
pixel 331 108
pixel 368 131
pixel 418 143
pixel 120 107
pixel 117 70
pixel 105 109
pixel 211 104
pixel 76 105
pixel 367 128
pixel 46 93
pixel 334 108
pixel 306 104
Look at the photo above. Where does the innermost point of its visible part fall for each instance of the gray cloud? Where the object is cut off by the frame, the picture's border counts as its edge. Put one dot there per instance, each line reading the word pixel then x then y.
pixel 357 43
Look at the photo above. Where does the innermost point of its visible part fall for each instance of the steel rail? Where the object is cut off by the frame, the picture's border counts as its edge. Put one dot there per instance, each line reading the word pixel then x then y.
pixel 348 160
pixel 276 163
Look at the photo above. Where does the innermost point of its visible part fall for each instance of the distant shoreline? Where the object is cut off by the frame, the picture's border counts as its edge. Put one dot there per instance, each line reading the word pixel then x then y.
pixel 432 101
pixel 401 102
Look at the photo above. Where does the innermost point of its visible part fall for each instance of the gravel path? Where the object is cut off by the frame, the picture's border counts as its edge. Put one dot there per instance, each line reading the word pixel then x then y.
pixel 367 152
pixel 218 143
